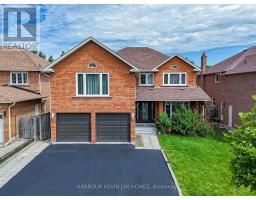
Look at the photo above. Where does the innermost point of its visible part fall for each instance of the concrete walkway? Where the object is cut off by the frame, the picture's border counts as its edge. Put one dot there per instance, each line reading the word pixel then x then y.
pixel 11 167
pixel 146 134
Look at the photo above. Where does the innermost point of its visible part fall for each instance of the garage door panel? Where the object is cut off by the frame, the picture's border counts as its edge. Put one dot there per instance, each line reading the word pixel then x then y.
pixel 113 127
pixel 73 127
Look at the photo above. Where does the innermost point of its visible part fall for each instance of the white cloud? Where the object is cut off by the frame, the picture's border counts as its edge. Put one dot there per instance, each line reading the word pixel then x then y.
pixel 167 28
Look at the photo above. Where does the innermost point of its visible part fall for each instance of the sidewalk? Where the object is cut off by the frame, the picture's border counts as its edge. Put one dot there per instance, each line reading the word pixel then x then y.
pixel 11 167
pixel 11 148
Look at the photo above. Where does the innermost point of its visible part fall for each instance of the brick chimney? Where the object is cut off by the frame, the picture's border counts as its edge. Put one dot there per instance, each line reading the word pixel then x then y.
pixel 203 62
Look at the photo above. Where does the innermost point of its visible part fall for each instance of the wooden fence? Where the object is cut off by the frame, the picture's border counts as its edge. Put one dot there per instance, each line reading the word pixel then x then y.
pixel 36 127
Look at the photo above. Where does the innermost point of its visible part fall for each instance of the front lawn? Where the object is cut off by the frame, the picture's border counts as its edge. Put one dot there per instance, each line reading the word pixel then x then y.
pixel 201 165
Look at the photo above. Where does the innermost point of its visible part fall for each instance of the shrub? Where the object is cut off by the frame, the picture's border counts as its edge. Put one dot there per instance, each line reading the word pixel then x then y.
pixel 184 121
pixel 204 128
pixel 243 142
pixel 163 122
pixel 188 122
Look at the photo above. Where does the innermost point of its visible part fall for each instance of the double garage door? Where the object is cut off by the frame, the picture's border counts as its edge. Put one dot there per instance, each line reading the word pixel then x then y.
pixel 76 127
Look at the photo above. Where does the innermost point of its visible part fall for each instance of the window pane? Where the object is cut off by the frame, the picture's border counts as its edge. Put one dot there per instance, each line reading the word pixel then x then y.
pixel 13 78
pixel 166 79
pixel 150 79
pixel 183 78
pixel 104 84
pixel 19 78
pixel 92 84
pixel 143 79
pixel 167 108
pixel 80 84
pixel 174 78
pixel 25 78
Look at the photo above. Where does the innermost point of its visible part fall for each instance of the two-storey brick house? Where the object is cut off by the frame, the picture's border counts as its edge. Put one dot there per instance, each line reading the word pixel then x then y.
pixel 98 95
pixel 231 84
pixel 24 90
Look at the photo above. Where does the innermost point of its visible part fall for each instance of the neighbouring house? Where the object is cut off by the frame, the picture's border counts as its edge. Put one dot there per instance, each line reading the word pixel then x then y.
pixel 98 95
pixel 231 85
pixel 24 90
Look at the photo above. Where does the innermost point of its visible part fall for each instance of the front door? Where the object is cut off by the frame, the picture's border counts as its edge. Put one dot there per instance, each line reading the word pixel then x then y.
pixel 1 128
pixel 145 112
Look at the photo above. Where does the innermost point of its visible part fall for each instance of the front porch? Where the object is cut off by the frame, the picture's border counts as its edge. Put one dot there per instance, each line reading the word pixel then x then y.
pixel 148 111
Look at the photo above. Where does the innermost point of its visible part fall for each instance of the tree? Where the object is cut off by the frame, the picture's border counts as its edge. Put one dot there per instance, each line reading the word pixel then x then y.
pixel 34 51
pixel 41 54
pixel 50 59
pixel 243 142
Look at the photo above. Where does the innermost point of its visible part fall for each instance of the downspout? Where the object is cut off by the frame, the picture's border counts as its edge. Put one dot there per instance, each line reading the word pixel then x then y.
pixel 40 87
pixel 50 99
pixel 10 126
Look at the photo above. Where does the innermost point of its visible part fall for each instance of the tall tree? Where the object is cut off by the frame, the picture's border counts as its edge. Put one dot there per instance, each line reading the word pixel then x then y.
pixel 42 55
pixel 50 59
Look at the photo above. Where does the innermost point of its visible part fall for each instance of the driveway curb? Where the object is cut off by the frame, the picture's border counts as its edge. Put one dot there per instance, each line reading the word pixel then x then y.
pixel 172 173
pixel 15 150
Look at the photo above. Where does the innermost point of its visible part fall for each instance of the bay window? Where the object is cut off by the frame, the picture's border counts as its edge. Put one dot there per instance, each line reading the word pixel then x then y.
pixel 175 79
pixel 172 106
pixel 92 84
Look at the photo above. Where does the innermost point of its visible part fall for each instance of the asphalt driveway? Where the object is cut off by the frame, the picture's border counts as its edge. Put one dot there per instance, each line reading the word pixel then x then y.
pixel 85 169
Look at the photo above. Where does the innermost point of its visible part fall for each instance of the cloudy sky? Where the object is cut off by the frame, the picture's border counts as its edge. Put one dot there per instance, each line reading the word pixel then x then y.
pixel 220 30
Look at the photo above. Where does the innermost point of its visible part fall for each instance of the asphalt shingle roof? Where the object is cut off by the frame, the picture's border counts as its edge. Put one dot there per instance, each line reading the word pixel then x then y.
pixel 242 62
pixel 171 94
pixel 143 58
pixel 9 94
pixel 16 59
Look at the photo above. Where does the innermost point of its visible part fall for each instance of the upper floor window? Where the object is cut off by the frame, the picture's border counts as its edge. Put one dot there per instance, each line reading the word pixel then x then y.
pixel 217 78
pixel 19 78
pixel 92 84
pixel 92 65
pixel 146 79
pixel 175 79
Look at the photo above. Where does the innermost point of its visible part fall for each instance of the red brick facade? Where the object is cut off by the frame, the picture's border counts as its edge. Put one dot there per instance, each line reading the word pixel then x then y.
pixel 19 110
pixel 181 66
pixel 122 85
pixel 233 90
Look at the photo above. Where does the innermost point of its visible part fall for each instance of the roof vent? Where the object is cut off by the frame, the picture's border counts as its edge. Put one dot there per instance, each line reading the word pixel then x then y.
pixel 151 88
pixel 182 88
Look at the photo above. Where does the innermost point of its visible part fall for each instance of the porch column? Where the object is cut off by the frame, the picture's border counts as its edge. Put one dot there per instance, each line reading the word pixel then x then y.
pixel 160 106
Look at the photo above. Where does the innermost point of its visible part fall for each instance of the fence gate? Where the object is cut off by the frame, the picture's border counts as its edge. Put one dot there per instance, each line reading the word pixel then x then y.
pixel 36 127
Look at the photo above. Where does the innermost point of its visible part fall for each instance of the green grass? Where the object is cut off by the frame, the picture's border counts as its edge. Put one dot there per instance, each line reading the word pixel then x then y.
pixel 201 165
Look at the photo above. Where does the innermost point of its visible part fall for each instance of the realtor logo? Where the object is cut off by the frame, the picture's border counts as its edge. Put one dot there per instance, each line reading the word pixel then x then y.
pixel 20 24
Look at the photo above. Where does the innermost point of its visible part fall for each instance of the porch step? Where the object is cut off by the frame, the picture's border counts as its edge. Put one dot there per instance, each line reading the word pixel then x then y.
pixel 145 129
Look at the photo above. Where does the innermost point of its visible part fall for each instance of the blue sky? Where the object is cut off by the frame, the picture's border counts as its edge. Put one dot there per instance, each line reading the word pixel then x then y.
pixel 220 30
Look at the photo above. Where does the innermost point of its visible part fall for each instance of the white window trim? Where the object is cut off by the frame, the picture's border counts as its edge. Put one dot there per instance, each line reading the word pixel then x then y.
pixel 180 73
pixel 11 83
pixel 146 84
pixel 215 80
pixel 84 85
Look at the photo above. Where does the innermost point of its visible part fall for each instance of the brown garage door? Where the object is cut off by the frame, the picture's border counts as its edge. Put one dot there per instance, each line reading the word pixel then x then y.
pixel 113 127
pixel 73 127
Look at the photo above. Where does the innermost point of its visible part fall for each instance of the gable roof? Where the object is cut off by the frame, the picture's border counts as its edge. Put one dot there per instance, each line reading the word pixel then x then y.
pixel 243 62
pixel 17 59
pixel 11 94
pixel 143 58
pixel 182 58
pixel 51 65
